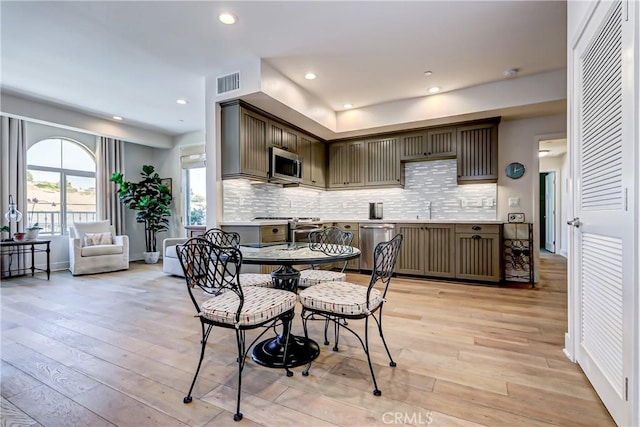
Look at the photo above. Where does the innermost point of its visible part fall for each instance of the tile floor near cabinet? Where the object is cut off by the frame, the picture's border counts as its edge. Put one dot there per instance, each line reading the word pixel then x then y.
pixel 121 348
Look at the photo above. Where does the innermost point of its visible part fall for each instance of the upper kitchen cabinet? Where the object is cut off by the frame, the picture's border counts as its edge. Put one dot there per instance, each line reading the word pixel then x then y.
pixel 244 143
pixel 346 164
pixel 477 153
pixel 314 161
pixel 383 162
pixel 282 136
pixel 432 144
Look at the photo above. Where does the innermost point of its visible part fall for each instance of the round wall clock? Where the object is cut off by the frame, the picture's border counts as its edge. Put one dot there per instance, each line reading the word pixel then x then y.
pixel 514 170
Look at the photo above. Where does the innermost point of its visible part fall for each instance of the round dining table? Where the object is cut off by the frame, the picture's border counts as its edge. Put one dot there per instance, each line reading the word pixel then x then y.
pixel 299 350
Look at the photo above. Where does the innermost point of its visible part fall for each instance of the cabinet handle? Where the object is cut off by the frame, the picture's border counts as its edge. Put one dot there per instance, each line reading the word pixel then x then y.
pixel 398 179
pixel 347 226
pixel 425 154
pixel 429 153
pixel 476 227
pixel 275 230
pixel 475 236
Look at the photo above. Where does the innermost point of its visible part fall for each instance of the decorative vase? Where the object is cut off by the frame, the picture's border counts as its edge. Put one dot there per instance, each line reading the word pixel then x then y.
pixel 32 233
pixel 151 257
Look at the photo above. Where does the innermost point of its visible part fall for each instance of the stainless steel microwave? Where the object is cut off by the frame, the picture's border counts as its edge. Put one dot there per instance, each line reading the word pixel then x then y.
pixel 284 166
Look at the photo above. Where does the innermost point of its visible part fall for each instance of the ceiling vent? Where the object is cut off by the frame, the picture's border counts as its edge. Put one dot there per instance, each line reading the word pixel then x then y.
pixel 228 83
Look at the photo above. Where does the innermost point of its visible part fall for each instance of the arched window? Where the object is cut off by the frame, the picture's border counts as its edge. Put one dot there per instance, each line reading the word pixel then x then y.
pixel 61 185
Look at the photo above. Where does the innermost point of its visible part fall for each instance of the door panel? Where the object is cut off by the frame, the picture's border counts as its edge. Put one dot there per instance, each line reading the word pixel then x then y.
pixel 603 256
pixel 550 212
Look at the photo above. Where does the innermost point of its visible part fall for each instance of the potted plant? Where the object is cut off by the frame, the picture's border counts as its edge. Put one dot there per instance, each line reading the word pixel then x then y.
pixel 151 199
pixel 6 229
pixel 33 230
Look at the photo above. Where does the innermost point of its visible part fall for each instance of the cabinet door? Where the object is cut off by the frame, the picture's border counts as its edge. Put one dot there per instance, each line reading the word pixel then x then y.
pixel 353 264
pixel 346 164
pixel 410 258
pixel 413 146
pixel 441 143
pixel 314 160
pixel 439 250
pixel 253 144
pixel 383 162
pixel 282 136
pixel 478 256
pixel 318 164
pixel 477 153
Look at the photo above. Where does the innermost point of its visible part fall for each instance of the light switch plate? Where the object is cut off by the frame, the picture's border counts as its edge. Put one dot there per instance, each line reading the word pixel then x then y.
pixel 514 202
pixel 515 217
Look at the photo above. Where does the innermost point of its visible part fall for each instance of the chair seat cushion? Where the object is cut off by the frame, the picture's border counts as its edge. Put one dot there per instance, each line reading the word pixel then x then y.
pixel 260 305
pixel 340 298
pixel 256 279
pixel 97 250
pixel 313 277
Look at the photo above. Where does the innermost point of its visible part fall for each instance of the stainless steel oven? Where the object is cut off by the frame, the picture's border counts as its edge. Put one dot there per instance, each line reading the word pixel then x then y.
pixel 300 228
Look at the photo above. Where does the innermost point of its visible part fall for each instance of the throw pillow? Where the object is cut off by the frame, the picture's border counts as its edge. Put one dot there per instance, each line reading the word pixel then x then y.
pixel 93 239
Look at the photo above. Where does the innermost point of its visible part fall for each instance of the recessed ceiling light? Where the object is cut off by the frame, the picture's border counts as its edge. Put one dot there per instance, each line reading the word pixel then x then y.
pixel 310 76
pixel 117 118
pixel 347 106
pixel 227 18
pixel 428 73
pixel 434 89
pixel 511 72
pixel 182 101
pixel 543 153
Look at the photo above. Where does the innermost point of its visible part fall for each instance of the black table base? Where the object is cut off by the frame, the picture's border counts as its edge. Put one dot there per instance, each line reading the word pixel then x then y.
pixel 299 350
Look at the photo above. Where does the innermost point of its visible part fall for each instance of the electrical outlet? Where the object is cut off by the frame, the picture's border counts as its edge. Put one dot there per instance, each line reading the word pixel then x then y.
pixel 464 203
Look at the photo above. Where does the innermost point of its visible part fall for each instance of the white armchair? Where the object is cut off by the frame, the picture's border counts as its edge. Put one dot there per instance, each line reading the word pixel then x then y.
pixel 95 248
pixel 170 261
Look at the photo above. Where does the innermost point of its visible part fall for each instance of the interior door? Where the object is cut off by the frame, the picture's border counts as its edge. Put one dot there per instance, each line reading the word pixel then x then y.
pixel 550 212
pixel 603 253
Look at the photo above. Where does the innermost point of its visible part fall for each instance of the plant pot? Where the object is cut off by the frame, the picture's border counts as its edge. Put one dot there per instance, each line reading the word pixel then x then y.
pixel 151 257
pixel 32 233
pixel 18 237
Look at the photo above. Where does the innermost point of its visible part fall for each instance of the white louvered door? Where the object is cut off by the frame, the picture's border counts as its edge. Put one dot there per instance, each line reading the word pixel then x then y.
pixel 603 242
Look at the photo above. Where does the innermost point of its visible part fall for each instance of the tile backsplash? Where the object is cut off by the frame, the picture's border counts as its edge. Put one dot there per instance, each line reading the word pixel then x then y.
pixel 430 192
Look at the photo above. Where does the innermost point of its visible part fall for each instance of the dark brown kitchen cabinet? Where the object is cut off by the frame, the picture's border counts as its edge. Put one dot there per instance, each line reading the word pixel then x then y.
pixel 346 164
pixel 432 144
pixel 478 254
pixel 477 153
pixel 353 264
pixel 383 165
pixel 262 234
pixel 244 143
pixel 427 250
pixel 314 161
pixel 281 136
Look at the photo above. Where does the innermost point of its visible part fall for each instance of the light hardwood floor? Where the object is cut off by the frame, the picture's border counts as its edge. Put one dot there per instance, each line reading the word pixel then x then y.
pixel 120 349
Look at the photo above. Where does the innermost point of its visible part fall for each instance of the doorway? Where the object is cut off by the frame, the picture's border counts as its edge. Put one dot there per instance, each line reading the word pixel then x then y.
pixel 548 211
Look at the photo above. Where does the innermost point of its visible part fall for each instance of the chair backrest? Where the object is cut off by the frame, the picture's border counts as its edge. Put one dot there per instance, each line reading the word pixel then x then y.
pixel 222 238
pixel 331 240
pixel 79 229
pixel 385 256
pixel 214 269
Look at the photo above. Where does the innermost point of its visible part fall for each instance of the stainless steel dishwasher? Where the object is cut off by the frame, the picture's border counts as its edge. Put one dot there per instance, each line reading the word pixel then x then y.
pixel 370 236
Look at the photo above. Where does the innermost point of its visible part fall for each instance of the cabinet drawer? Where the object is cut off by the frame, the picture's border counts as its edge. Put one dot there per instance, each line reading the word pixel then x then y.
pixel 477 228
pixel 273 233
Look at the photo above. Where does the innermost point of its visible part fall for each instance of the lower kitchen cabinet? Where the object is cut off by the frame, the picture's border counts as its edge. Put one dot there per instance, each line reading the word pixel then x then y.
pixel 478 254
pixel 353 264
pixel 259 234
pixel 427 250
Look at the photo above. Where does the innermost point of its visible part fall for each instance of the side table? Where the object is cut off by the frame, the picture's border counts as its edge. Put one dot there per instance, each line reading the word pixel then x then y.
pixel 12 251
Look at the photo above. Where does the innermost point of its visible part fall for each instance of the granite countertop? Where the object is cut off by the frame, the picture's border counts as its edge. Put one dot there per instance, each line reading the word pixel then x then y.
pixel 256 223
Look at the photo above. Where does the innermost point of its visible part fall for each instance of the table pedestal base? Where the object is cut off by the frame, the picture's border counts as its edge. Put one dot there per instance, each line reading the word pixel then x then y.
pixel 300 351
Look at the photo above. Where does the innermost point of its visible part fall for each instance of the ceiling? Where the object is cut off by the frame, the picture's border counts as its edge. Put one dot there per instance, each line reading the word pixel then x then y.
pixel 135 59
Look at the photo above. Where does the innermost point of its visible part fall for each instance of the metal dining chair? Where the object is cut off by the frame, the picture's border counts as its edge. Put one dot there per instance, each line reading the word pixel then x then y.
pixel 231 305
pixel 329 240
pixel 339 301
pixel 230 238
